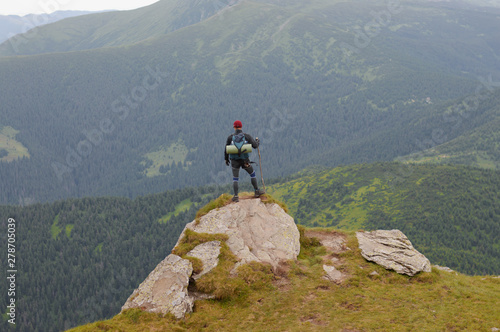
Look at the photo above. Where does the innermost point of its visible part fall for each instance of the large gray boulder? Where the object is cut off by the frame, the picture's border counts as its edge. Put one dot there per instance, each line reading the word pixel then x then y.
pixel 165 289
pixel 257 232
pixel 392 250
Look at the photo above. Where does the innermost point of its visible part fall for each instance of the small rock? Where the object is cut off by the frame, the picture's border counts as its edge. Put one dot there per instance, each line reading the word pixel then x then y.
pixel 332 273
pixel 374 273
pixel 444 268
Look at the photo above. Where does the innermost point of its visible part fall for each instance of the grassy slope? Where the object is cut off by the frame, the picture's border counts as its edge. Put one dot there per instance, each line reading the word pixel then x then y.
pixel 479 144
pixel 298 299
pixel 478 147
pixel 13 148
pixel 449 212
pixel 181 207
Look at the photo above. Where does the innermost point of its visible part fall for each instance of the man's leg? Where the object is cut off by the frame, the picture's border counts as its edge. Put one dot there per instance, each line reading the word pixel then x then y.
pixel 236 177
pixel 253 179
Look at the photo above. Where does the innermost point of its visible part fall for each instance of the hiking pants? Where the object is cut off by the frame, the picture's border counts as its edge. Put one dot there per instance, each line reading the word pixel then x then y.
pixel 245 164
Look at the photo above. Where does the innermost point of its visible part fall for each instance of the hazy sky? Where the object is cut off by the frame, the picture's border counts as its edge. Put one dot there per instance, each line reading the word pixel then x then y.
pixel 23 7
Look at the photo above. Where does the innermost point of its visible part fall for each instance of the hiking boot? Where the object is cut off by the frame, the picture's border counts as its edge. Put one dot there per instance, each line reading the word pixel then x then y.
pixel 259 192
pixel 235 198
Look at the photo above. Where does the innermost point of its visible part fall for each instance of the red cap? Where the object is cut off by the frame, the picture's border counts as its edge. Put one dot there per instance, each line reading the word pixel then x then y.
pixel 237 124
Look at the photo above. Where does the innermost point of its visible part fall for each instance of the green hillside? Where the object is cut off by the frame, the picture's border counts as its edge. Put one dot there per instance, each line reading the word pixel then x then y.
pixel 478 146
pixel 450 213
pixel 297 298
pixel 92 119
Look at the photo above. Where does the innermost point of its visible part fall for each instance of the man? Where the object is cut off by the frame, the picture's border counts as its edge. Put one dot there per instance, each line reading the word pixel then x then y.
pixel 241 159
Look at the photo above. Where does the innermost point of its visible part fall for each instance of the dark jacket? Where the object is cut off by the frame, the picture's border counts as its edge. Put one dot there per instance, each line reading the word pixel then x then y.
pixel 249 139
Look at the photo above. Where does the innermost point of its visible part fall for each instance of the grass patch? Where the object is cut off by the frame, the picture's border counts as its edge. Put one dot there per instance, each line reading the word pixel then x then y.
pixel 10 148
pixel 166 156
pixel 219 202
pixel 225 199
pixel 181 207
pixel 55 229
pixel 191 239
pixel 69 228
pixel 98 249
pixel 196 263
pixel 311 250
pixel 268 199
pixel 256 275
pixel 217 281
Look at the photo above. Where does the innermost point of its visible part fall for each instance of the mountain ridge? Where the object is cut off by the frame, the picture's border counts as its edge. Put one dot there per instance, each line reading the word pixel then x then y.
pixel 11 25
pixel 118 28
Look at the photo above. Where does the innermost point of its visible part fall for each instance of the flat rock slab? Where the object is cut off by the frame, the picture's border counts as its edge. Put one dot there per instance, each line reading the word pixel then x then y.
pixel 165 289
pixel 333 242
pixel 257 231
pixel 392 250
pixel 208 253
pixel 444 268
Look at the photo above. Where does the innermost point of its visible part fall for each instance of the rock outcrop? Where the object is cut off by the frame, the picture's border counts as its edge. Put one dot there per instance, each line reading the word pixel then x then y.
pixel 165 289
pixel 392 250
pixel 257 232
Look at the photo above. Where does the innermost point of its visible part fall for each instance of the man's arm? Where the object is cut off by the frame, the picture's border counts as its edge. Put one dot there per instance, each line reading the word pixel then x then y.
pixel 250 140
pixel 226 156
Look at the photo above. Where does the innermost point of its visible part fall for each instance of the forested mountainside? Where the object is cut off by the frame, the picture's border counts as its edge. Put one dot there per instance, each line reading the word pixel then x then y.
pixel 78 259
pixel 130 115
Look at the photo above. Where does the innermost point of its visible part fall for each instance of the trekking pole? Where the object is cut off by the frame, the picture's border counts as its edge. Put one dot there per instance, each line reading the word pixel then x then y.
pixel 260 165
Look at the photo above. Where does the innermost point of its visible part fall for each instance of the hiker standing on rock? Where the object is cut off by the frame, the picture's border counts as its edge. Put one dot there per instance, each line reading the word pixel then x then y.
pixel 238 148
